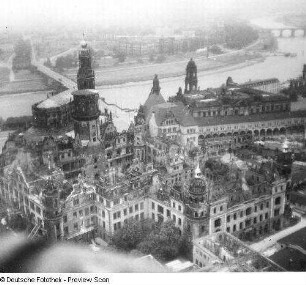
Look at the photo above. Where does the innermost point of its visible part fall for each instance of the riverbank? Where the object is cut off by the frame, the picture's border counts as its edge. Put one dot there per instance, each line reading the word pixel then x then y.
pixel 173 66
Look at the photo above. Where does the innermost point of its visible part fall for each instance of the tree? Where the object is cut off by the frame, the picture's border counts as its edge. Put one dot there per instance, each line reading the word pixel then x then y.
pixel 163 242
pixel 131 234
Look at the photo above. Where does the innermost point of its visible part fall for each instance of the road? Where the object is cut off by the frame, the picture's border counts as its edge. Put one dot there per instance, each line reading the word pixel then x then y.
pixel 271 240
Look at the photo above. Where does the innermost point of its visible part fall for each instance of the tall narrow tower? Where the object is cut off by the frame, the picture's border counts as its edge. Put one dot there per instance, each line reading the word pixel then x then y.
pixel 85 99
pixel 304 72
pixel 191 79
pixel 86 75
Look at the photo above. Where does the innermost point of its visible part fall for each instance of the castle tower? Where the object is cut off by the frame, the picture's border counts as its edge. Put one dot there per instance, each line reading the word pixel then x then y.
pixel 85 99
pixel 191 79
pixel 86 75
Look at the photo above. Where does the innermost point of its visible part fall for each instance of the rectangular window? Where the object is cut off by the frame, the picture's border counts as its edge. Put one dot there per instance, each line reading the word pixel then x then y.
pixel 66 231
pixel 276 212
pixel 266 216
pixel 241 214
pixel 228 229
pixel 160 209
pixel 118 214
pixel 255 209
pixel 153 206
pixel 131 210
pixel 221 208
pixel 75 202
pixel 142 216
pixel 215 210
pixel 261 207
pixel 125 212
pixel 168 213
pixel 103 214
pixel 81 213
pixel 115 216
pixel 179 221
pixel 228 218
pixel 174 218
pixel 153 217
pixel 137 217
pixel 92 209
pixel 141 206
pixel 248 211
pixel 38 210
pixel 241 225
pixel 260 218
pixel 234 228
pixel 75 215
pixel 255 220
pixel 65 219
pixel 235 216
pixel 136 207
pixel 86 211
pixel 75 226
pixel 267 204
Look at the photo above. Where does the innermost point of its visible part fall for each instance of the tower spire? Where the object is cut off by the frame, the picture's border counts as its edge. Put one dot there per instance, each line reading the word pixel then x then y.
pixel 86 75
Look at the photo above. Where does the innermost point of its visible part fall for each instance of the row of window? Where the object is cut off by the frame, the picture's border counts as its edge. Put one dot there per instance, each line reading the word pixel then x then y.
pixel 248 211
pixel 80 213
pixel 249 222
pixel 131 209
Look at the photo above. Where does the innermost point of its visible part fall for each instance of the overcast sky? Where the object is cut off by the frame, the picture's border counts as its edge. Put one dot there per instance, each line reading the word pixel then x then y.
pixel 128 12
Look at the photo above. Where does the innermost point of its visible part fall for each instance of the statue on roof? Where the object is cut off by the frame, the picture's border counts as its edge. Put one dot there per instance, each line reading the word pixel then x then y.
pixel 156 88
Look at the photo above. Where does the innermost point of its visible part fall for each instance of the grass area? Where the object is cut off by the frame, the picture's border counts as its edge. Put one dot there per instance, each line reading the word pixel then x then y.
pixel 4 76
pixel 24 81
pixel 290 259
pixel 297 238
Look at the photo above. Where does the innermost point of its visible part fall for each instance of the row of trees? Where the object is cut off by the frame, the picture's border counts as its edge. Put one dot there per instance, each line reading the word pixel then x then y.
pixel 14 123
pixel 239 35
pixel 163 240
pixel 23 54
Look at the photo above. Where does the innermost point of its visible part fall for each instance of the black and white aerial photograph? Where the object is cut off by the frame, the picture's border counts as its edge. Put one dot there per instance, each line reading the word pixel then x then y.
pixel 152 136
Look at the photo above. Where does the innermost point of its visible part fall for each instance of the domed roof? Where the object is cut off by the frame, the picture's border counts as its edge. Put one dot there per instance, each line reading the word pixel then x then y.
pixel 197 186
pixel 83 44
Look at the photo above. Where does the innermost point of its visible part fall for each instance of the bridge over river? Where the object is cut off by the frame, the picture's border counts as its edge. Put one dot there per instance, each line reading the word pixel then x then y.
pixel 277 28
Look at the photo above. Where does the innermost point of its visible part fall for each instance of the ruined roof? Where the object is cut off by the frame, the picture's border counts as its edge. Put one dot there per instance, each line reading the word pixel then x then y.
pixel 177 110
pixel 56 101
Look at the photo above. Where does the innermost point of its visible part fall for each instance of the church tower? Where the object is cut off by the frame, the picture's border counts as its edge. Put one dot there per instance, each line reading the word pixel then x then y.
pixel 86 75
pixel 86 101
pixel 191 79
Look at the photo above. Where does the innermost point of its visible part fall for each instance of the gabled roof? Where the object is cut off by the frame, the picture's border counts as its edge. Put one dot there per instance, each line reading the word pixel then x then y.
pixel 179 112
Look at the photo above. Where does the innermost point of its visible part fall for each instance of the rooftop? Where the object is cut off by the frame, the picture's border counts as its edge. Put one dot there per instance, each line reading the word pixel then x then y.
pixel 56 101
pixel 85 92
pixel 226 120
pixel 177 110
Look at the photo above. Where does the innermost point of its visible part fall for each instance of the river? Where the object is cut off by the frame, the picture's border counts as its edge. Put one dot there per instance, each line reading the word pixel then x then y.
pixel 132 94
